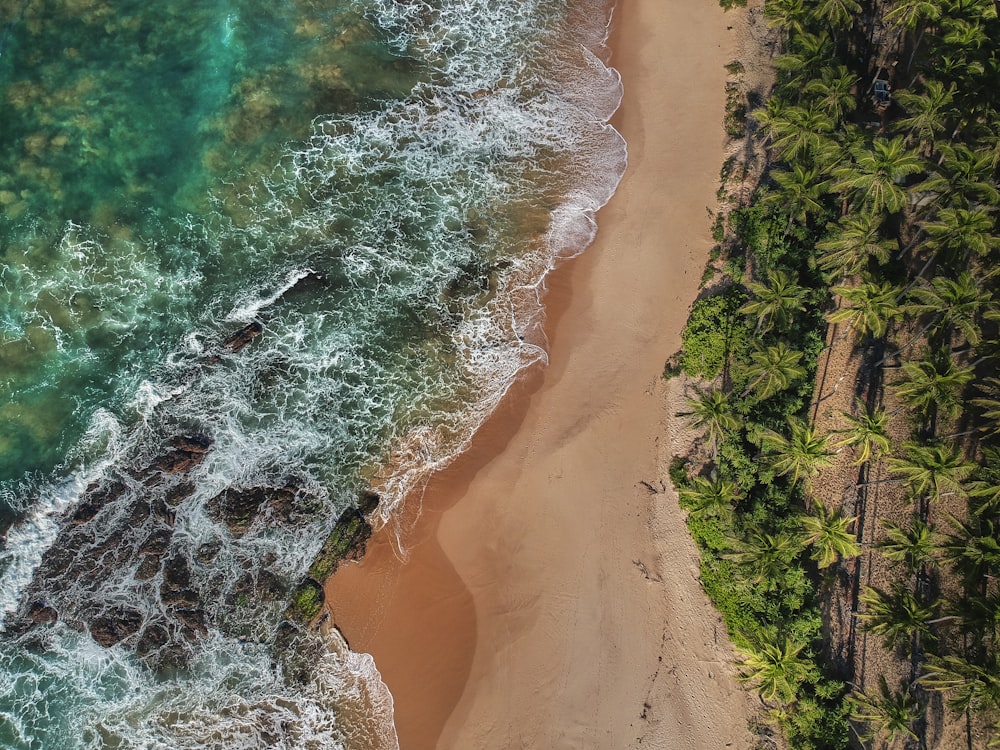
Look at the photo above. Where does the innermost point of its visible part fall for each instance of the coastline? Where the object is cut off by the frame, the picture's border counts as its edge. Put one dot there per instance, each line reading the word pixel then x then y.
pixel 549 598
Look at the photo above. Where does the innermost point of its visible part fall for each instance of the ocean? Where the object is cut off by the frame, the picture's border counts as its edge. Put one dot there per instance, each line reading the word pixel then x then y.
pixel 262 264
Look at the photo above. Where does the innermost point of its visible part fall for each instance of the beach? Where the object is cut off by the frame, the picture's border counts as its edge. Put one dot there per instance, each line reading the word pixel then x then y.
pixel 549 595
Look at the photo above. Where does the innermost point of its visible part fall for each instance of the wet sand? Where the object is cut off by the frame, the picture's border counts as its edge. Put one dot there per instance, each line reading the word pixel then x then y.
pixel 550 599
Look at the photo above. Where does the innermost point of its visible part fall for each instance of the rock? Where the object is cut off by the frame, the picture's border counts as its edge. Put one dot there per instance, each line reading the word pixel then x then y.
pixel 368 501
pixel 115 626
pixel 307 601
pixel 95 498
pixel 346 542
pixel 156 543
pixel 42 614
pixel 237 509
pixel 243 337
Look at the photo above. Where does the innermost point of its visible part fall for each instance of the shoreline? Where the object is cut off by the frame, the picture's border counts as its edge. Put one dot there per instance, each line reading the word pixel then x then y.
pixel 549 598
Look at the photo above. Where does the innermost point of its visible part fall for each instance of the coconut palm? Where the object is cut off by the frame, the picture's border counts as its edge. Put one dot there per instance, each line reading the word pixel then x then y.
pixel 934 386
pixel 773 369
pixel 798 194
pixel 789 15
pixel 833 89
pixel 709 497
pixel 969 685
pixel 958 303
pixel 712 412
pixel 929 112
pixel 899 617
pixel 867 433
pixel 931 470
pixel 776 302
pixel 916 546
pixel 888 714
pixel 990 405
pixel 776 670
pixel 955 232
pixel 978 615
pixel 964 177
pixel 852 243
pixel 838 14
pixel 974 549
pixel 871 307
pixel 767 556
pixel 873 180
pixel 827 532
pixel 802 454
pixel 799 132
pixel 808 53
pixel 911 14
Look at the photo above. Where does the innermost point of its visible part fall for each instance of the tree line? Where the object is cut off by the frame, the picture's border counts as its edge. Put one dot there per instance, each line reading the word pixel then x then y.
pixel 876 215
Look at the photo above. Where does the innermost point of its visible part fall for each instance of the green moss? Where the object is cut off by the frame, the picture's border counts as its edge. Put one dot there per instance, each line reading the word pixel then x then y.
pixel 307 601
pixel 345 541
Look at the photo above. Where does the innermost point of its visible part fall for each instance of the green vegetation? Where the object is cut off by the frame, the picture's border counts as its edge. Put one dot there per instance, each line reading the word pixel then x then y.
pixel 873 231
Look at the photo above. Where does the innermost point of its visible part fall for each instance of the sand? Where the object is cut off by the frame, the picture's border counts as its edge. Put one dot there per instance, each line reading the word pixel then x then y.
pixel 550 599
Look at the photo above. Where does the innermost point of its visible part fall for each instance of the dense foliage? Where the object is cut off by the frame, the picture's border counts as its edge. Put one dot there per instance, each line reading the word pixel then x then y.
pixel 876 214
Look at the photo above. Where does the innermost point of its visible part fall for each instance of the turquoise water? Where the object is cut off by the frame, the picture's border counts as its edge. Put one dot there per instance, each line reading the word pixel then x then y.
pixel 379 187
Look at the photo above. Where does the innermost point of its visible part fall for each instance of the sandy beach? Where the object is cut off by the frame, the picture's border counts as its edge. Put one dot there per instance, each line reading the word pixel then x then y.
pixel 550 598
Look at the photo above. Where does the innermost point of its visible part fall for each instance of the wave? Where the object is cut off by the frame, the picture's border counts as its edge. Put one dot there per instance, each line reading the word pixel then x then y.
pixel 400 257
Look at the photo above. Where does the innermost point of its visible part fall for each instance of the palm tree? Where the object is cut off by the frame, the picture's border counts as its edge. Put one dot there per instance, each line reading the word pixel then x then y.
pixel 955 232
pixel 931 470
pixel 852 244
pixel 964 177
pixel 934 386
pixel 971 686
pixel 709 497
pixel 799 132
pixel 768 556
pixel 899 617
pixel 873 180
pixel 916 547
pixel 799 194
pixel 910 14
pixel 833 88
pixel 889 714
pixel 928 110
pixel 838 14
pixel 788 15
pixel 827 531
pixel 979 615
pixel 712 411
pixel 959 303
pixel 802 454
pixel 974 550
pixel 990 405
pixel 808 53
pixel 868 433
pixel 872 307
pixel 776 671
pixel 776 302
pixel 773 369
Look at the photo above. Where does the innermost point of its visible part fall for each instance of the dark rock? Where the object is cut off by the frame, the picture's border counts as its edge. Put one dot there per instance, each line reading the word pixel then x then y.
pixel 368 501
pixel 156 543
pixel 237 509
pixel 42 614
pixel 178 493
pixel 193 620
pixel 243 337
pixel 207 552
pixel 148 568
pixel 307 601
pixel 346 542
pixel 191 443
pixel 115 626
pixel 153 638
pixel 95 498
